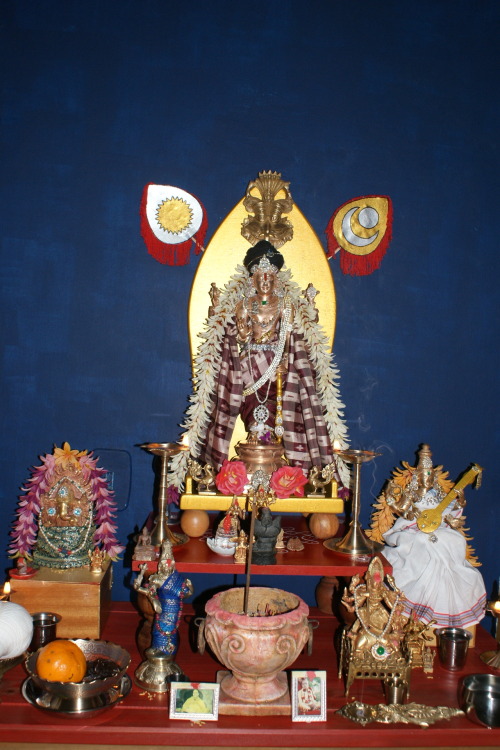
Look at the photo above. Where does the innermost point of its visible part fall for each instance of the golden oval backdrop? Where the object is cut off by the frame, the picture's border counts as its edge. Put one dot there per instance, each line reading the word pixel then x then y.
pixel 304 255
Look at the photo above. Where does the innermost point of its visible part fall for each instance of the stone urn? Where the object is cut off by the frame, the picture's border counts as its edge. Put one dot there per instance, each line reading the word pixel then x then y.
pixel 256 647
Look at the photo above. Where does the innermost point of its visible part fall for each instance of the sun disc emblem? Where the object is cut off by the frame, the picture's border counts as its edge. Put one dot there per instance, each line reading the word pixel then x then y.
pixel 174 215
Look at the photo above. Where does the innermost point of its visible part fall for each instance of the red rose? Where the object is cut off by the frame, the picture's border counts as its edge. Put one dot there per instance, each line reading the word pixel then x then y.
pixel 232 478
pixel 288 481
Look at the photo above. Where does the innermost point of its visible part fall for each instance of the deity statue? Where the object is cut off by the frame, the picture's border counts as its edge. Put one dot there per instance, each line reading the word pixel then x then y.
pixel 96 560
pixel 266 529
pixel 268 373
pixel 432 565
pixel 229 527
pixel 378 629
pixel 144 549
pixel 166 589
pixel 240 552
pixel 264 357
pixel 66 513
pixel 66 524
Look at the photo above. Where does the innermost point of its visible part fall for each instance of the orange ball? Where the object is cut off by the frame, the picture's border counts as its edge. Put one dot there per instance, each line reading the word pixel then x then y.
pixel 324 525
pixel 195 522
pixel 61 661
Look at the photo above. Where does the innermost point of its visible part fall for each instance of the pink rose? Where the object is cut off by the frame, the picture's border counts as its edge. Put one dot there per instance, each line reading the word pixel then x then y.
pixel 288 481
pixel 232 478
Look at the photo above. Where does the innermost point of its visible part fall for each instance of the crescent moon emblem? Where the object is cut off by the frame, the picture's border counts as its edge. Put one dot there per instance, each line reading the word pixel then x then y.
pixel 348 233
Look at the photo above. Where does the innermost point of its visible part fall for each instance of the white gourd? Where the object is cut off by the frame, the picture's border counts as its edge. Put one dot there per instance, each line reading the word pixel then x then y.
pixel 16 630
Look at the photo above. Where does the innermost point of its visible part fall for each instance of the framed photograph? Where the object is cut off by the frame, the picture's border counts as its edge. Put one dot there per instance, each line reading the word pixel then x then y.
pixel 308 695
pixel 197 701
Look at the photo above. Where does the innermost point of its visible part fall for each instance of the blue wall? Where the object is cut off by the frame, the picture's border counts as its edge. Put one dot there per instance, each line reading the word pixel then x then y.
pixel 345 99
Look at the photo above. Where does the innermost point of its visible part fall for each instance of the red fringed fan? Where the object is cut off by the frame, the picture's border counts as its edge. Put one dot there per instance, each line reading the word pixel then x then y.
pixel 171 221
pixel 361 229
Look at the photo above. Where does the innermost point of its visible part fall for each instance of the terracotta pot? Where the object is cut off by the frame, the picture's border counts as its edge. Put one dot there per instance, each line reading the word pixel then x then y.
pixel 256 647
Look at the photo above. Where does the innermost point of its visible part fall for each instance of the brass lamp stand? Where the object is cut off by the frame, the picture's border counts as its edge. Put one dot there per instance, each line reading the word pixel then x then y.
pixel 355 542
pixel 161 530
pixel 492 658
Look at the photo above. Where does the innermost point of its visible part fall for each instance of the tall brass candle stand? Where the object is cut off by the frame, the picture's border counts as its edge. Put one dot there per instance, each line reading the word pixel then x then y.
pixel 355 542
pixel 492 658
pixel 161 530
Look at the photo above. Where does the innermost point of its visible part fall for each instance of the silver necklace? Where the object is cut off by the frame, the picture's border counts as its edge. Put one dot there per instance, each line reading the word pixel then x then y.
pixel 261 412
pixel 271 370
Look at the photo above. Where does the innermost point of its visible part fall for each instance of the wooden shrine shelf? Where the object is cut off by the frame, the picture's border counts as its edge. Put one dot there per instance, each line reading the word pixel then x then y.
pixel 314 560
pixel 141 721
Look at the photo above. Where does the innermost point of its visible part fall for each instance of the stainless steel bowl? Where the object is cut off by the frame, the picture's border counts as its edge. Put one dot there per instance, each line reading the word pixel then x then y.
pixel 479 697
pixel 78 693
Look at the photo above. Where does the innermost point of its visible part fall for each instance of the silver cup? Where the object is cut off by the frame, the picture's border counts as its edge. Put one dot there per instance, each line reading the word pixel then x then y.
pixel 44 629
pixel 479 697
pixel 453 644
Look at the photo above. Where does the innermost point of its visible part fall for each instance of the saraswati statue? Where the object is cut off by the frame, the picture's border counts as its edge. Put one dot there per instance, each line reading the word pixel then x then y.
pixel 264 371
pixel 419 517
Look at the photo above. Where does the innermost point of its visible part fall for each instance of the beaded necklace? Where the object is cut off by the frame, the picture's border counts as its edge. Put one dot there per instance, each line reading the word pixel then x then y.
pixel 67 552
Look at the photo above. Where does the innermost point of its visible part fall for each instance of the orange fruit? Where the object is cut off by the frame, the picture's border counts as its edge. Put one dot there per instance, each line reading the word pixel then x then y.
pixel 61 661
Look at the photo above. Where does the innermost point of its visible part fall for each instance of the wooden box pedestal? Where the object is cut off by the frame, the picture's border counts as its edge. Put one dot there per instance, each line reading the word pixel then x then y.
pixel 231 707
pixel 81 598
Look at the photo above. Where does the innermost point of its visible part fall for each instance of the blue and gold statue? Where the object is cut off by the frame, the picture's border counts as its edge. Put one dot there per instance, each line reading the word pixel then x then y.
pixel 166 589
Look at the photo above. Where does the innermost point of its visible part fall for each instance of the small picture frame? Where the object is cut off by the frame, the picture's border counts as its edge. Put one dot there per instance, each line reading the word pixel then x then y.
pixel 308 695
pixel 197 701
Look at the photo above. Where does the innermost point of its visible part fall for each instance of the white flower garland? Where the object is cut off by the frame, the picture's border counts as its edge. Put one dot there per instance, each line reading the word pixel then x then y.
pixel 208 360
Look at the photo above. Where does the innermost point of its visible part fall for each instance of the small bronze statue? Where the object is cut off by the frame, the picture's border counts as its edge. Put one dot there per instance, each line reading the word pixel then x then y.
pixel 96 560
pixel 240 552
pixel 204 476
pixel 143 549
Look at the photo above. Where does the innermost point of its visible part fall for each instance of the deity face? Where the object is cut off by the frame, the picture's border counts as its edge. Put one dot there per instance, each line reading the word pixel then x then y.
pixel 264 281
pixel 426 478
pixel 66 504
pixel 374 585
pixel 165 568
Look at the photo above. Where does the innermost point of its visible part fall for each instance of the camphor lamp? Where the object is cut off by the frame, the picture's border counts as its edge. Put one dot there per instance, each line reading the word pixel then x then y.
pixel 4 597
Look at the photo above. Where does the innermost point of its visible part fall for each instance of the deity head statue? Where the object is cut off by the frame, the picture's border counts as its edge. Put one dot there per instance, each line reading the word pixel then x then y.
pixel 66 520
pixel 67 512
pixel 425 470
pixel 375 580
pixel 263 258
